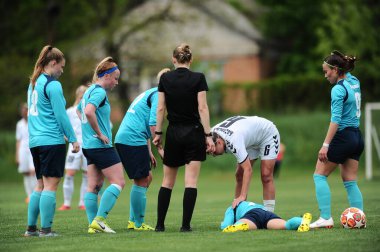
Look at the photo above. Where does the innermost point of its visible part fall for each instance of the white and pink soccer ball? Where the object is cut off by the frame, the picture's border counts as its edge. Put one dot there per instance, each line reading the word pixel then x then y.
pixel 353 217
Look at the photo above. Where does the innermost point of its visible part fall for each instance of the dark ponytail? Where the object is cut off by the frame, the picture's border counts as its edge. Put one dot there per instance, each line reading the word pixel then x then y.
pixel 344 63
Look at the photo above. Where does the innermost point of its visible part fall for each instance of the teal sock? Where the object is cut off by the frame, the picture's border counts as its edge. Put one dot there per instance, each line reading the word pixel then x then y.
pixel 354 195
pixel 108 200
pixel 323 194
pixel 91 204
pixel 138 203
pixel 47 208
pixel 131 216
pixel 293 223
pixel 34 208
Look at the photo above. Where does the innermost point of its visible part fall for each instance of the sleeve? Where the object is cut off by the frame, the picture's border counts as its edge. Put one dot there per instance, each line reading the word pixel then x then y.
pixel 228 218
pixel 58 103
pixel 160 84
pixel 153 110
pixel 337 96
pixel 237 148
pixel 18 131
pixel 202 83
pixel 97 96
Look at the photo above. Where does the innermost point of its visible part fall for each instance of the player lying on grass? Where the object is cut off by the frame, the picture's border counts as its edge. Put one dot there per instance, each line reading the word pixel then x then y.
pixel 250 216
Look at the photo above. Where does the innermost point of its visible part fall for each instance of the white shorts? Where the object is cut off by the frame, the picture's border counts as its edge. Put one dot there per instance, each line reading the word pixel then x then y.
pixel 25 161
pixel 75 161
pixel 269 148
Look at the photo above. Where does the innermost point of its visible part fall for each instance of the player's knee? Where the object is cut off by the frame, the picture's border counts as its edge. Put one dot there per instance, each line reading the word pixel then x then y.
pixel 266 178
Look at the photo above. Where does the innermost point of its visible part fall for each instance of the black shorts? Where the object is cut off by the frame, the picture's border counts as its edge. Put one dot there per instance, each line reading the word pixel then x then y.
pixel 346 144
pixel 101 157
pixel 260 217
pixel 184 143
pixel 49 160
pixel 135 159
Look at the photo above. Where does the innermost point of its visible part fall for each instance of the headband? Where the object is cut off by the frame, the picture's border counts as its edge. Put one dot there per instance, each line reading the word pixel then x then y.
pixel 332 65
pixel 108 71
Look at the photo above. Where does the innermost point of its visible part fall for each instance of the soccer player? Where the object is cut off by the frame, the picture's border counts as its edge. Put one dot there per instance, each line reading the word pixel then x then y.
pixel 23 157
pixel 251 216
pixel 343 143
pixel 248 138
pixel 183 93
pixel 132 142
pixel 75 161
pixel 48 124
pixel 102 159
pixel 280 157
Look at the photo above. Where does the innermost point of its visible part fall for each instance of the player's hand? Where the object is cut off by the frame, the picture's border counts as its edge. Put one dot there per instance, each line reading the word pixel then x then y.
pixel 160 151
pixel 322 155
pixel 153 161
pixel 210 145
pixel 157 140
pixel 237 201
pixel 104 139
pixel 76 147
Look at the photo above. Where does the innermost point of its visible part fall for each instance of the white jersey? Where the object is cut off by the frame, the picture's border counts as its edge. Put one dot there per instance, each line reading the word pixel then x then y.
pixel 249 136
pixel 75 122
pixel 24 156
pixel 22 134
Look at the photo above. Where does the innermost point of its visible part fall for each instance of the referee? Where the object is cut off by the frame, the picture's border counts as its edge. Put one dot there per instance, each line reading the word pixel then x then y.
pixel 183 94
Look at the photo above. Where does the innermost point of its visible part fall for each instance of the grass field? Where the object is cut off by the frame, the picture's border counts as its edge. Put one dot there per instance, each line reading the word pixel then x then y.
pixel 302 134
pixel 295 195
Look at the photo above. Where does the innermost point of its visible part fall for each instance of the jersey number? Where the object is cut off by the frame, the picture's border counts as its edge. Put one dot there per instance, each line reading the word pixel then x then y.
pixel 227 123
pixel 266 150
pixel 358 100
pixel 134 103
pixel 33 105
pixel 83 117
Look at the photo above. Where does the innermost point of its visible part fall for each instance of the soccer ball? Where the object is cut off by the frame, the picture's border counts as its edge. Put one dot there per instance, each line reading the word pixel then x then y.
pixel 353 217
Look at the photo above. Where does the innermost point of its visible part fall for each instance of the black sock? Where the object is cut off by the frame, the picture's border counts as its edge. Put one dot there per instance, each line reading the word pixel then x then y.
pixel 32 228
pixel 189 199
pixel 162 206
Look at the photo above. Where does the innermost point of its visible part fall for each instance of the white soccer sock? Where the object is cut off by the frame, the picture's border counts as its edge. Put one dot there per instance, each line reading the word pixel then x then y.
pixel 269 205
pixel 26 185
pixel 83 189
pixel 68 189
pixel 32 181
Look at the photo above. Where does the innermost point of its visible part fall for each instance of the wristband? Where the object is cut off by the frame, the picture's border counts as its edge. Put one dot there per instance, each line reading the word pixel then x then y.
pixel 158 132
pixel 208 134
pixel 326 145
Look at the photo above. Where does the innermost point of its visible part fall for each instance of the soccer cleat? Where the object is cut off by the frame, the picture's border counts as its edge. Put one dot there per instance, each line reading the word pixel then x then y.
pixel 160 229
pixel 143 227
pixel 81 207
pixel 32 233
pixel 50 234
pixel 100 224
pixel 185 229
pixel 64 208
pixel 322 223
pixel 131 225
pixel 305 224
pixel 236 227
pixel 92 231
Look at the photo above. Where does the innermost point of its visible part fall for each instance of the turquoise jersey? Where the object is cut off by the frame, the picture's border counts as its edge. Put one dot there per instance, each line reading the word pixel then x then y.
pixel 345 102
pixel 97 96
pixel 244 206
pixel 135 127
pixel 48 122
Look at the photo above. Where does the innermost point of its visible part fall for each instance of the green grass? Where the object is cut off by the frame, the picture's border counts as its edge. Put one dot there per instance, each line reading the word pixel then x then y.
pixel 302 134
pixel 295 195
